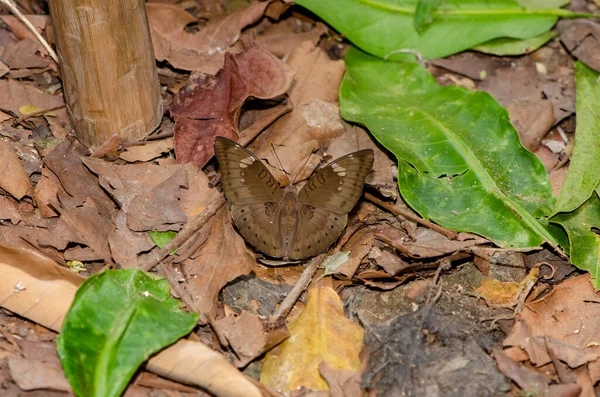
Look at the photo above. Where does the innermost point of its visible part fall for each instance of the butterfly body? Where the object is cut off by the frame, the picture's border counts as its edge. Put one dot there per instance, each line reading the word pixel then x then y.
pixel 282 222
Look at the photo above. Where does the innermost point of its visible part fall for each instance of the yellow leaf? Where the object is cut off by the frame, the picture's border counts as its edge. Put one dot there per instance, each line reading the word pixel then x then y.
pixel 27 110
pixel 505 293
pixel 320 333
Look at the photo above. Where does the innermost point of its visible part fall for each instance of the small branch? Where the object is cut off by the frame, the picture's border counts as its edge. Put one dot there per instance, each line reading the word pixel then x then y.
pixel 303 282
pixel 12 6
pixel 451 234
pixel 188 231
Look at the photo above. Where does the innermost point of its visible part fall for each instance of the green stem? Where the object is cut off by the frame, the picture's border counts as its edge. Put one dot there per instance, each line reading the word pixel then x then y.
pixel 555 12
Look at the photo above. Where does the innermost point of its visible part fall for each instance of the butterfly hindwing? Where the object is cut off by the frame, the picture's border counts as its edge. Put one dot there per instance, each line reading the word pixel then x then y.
pixel 244 177
pixel 259 224
pixel 338 186
pixel 317 229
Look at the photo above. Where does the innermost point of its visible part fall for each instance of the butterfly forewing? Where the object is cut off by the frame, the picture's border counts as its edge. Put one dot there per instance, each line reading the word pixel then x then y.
pixel 245 179
pixel 338 186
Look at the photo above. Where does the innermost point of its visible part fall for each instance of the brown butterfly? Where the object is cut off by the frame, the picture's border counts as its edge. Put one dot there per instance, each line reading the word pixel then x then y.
pixel 279 221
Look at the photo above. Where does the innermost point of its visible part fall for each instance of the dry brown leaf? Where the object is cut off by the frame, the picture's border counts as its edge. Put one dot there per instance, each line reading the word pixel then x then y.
pixel 430 244
pixel 280 39
pixel 76 180
pixel 147 151
pixel 30 374
pixel 342 382
pixel 37 288
pixel 321 333
pixel 521 336
pixel 249 336
pixel 9 211
pixel 581 38
pixel 570 314
pixel 14 94
pixel 358 247
pixel 3 70
pixel 23 55
pixel 203 110
pixel 13 178
pixel 315 120
pixel 22 32
pixel 203 50
pixel 527 379
pixel 216 263
pixel 157 208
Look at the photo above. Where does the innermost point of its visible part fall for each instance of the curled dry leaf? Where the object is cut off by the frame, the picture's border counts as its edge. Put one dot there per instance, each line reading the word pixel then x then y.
pixel 203 50
pixel 13 178
pixel 35 287
pixel 203 110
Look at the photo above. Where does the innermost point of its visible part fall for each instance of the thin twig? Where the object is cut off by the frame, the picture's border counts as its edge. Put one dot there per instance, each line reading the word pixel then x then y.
pixel 451 234
pixel 188 231
pixel 12 6
pixel 303 282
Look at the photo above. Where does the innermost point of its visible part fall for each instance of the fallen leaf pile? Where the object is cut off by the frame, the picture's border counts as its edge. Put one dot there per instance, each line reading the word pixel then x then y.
pixel 398 306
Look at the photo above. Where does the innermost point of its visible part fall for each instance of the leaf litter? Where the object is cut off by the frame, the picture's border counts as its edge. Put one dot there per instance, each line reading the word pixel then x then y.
pixel 405 284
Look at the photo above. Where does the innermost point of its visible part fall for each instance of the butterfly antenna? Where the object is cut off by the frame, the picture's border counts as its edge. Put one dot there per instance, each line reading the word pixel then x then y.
pixel 304 165
pixel 280 165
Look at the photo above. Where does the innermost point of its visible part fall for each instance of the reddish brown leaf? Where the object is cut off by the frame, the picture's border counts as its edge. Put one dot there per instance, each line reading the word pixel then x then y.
pixel 209 106
pixel 13 178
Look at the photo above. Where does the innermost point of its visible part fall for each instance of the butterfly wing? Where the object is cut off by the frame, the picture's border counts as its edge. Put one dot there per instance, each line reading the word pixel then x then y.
pixel 317 229
pixel 337 187
pixel 259 224
pixel 244 177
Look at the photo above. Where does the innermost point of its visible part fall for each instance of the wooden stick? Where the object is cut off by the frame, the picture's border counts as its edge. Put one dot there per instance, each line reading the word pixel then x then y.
pixel 451 234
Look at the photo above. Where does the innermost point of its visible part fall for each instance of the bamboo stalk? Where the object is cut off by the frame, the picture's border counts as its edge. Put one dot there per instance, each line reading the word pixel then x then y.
pixel 108 68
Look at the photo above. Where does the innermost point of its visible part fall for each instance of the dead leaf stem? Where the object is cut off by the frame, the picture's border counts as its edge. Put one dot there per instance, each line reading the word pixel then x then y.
pixel 451 234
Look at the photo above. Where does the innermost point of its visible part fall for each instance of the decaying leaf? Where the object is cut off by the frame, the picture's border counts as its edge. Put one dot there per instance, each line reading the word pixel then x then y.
pixel 321 333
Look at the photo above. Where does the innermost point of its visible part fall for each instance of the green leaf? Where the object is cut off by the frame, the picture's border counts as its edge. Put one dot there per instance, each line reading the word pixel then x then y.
pixel 162 238
pixel 117 320
pixel 385 28
pixel 504 46
pixel 424 13
pixel 585 244
pixel 460 161
pixel 584 170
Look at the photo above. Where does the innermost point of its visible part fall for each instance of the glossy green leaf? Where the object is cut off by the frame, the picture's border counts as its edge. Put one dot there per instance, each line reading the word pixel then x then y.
pixel 504 46
pixel 385 28
pixel 460 161
pixel 584 170
pixel 117 320
pixel 583 226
